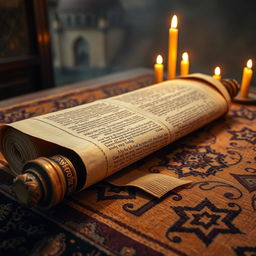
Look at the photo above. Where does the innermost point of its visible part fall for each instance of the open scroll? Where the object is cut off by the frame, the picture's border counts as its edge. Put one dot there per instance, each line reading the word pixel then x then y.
pixel 113 133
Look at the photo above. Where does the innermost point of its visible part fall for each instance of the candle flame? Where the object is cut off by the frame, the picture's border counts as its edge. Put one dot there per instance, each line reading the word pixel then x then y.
pixel 159 59
pixel 217 71
pixel 174 22
pixel 185 56
pixel 249 63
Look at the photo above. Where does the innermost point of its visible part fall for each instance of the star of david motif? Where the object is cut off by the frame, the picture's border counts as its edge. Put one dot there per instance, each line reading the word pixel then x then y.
pixel 244 113
pixel 204 220
pixel 248 181
pixel 201 161
pixel 244 134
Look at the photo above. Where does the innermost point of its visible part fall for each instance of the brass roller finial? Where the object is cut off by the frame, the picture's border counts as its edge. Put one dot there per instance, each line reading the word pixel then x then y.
pixel 27 189
pixel 45 181
pixel 232 86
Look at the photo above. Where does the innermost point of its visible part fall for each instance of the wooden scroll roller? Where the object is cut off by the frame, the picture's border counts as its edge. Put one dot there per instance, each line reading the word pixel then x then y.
pixel 45 181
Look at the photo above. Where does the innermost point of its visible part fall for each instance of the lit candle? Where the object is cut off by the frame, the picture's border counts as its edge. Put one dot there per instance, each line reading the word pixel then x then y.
pixel 159 69
pixel 172 51
pixel 217 73
pixel 184 64
pixel 246 79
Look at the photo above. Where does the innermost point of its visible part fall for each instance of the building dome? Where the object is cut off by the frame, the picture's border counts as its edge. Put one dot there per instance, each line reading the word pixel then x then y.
pixel 90 13
pixel 81 5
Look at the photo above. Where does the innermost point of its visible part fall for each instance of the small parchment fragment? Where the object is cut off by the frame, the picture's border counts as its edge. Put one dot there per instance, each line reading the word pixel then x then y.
pixel 156 184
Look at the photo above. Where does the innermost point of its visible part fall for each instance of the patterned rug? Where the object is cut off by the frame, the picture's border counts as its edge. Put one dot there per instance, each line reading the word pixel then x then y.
pixel 215 215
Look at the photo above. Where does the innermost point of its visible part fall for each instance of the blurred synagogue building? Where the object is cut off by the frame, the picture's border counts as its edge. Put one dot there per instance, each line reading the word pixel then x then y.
pixel 86 33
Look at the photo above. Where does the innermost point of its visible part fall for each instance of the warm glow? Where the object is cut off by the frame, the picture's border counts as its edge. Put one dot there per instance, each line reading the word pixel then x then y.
pixel 249 63
pixel 40 37
pixel 217 71
pixel 46 37
pixel 185 56
pixel 159 59
pixel 174 22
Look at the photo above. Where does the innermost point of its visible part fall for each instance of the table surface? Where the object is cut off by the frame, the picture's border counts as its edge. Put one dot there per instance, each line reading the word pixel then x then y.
pixel 215 215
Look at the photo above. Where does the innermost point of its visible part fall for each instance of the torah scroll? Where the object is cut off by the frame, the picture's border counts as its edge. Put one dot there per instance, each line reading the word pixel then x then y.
pixel 69 150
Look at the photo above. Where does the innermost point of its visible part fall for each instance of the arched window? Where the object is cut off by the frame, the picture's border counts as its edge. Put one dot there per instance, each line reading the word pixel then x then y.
pixel 88 20
pixel 69 21
pixel 78 20
pixel 81 53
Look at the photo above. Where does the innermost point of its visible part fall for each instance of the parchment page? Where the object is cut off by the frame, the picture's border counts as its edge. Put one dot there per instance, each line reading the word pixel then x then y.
pixel 112 133
pixel 181 106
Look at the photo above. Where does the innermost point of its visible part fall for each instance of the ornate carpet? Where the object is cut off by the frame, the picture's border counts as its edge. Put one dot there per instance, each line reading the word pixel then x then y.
pixel 215 215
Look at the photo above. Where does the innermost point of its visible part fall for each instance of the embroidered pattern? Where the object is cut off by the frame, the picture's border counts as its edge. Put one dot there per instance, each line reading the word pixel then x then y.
pixel 55 245
pixel 253 202
pixel 204 220
pixel 110 192
pixel 87 229
pixel 248 181
pixel 208 185
pixel 66 103
pixel 5 210
pixel 245 251
pixel 244 113
pixel 245 134
pixel 130 207
pixel 12 116
pixel 22 232
pixel 128 251
pixel 201 161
